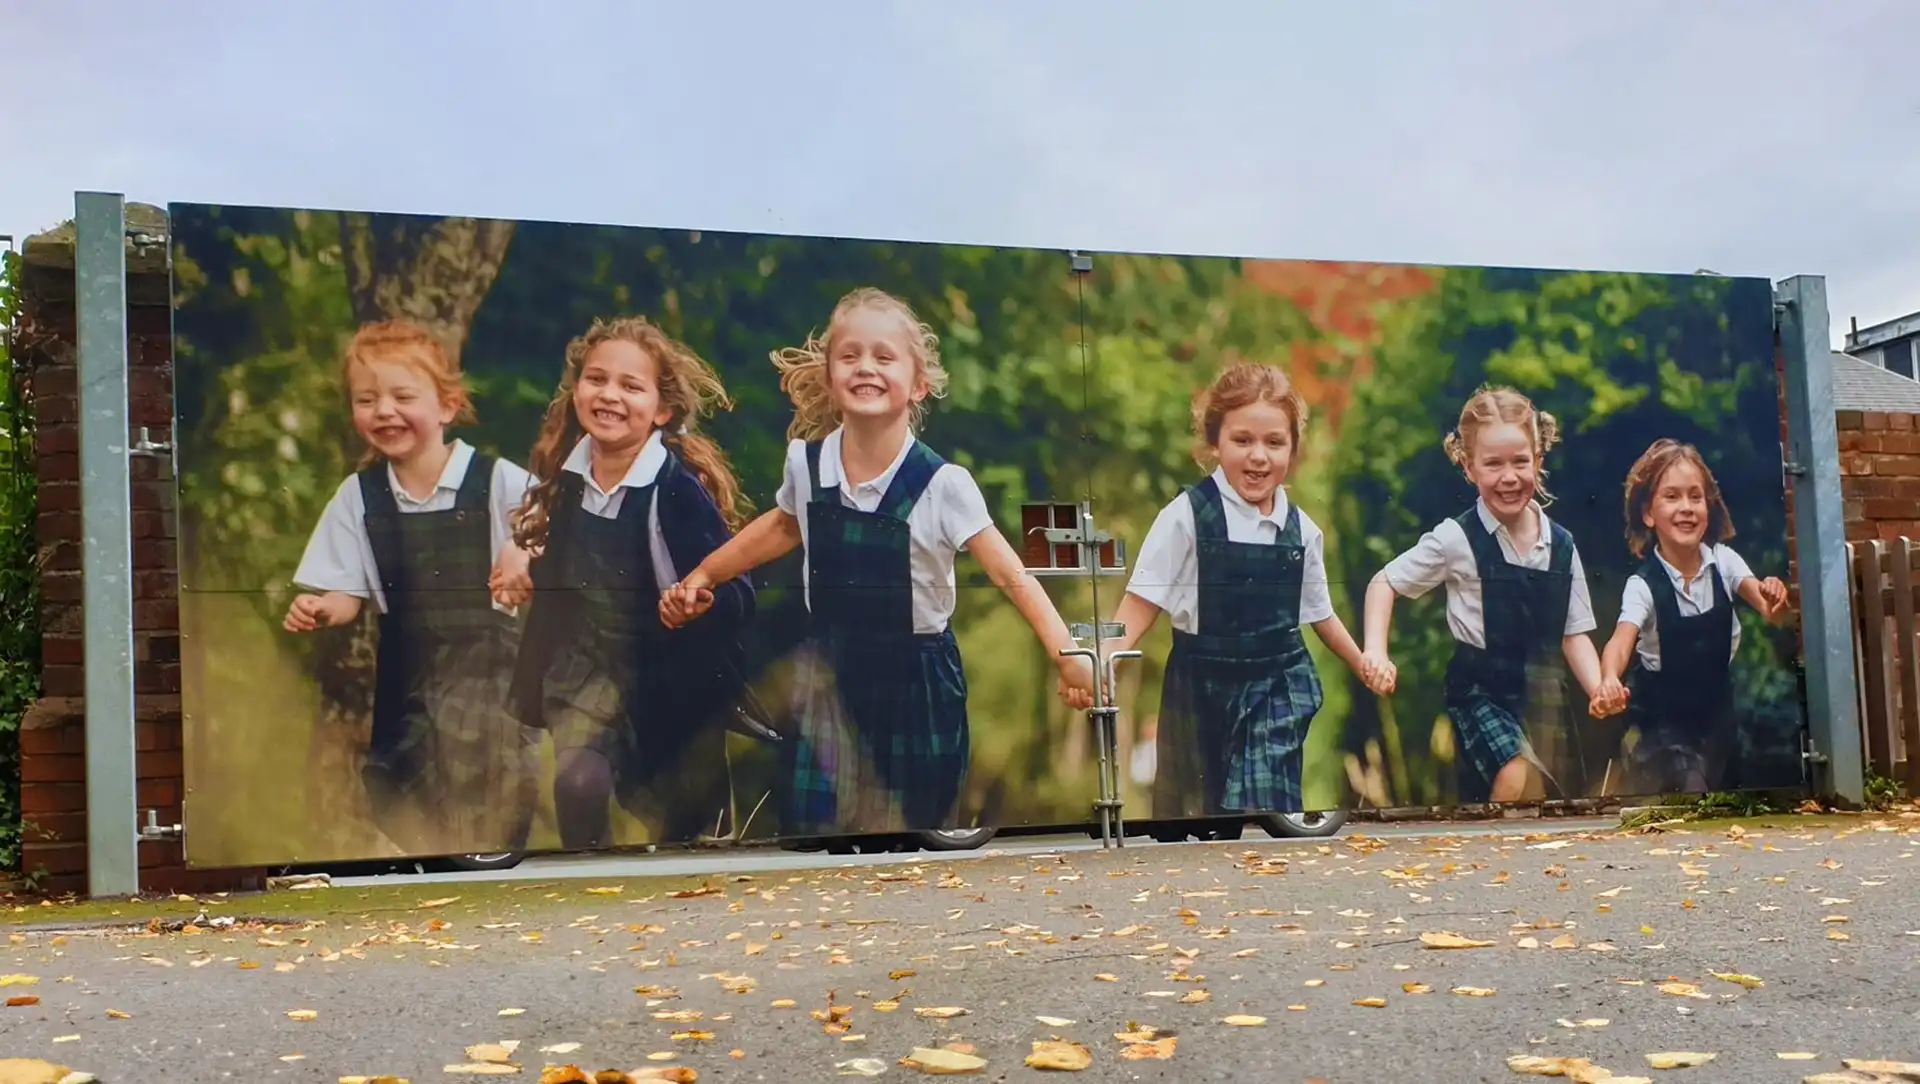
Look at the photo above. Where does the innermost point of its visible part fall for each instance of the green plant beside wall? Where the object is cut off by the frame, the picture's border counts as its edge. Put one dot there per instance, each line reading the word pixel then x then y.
pixel 19 564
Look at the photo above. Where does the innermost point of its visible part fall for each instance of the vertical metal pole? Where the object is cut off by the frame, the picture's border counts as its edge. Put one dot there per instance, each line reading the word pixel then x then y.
pixel 1820 538
pixel 100 277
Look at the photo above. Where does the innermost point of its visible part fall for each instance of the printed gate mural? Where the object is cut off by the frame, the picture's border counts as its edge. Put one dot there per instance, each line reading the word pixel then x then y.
pixel 398 641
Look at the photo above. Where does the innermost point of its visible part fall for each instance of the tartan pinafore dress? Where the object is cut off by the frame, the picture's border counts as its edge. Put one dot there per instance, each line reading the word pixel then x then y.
pixel 448 765
pixel 1240 694
pixel 1684 710
pixel 1509 699
pixel 602 672
pixel 881 742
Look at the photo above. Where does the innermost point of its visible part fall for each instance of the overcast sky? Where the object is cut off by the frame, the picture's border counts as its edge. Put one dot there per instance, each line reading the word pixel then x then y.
pixel 1752 137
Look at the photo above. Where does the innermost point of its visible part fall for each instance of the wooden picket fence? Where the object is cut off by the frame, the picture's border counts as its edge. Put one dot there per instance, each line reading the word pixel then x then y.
pixel 1883 576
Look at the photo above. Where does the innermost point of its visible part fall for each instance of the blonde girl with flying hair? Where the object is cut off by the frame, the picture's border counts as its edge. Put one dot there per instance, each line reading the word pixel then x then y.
pixel 883 742
pixel 419 529
pixel 1517 602
pixel 631 495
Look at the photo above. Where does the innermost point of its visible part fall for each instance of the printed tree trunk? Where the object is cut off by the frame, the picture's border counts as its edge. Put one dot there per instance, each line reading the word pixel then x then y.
pixel 433 273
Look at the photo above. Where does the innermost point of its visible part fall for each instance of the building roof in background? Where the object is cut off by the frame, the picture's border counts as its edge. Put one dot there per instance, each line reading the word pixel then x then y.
pixel 1862 385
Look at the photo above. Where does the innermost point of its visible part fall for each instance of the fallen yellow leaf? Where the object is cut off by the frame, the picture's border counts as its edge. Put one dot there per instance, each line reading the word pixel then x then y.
pixel 1796 1055
pixel 1416 988
pixel 1564 941
pixel 441 902
pixel 19 980
pixel 302 1015
pixel 1053 1054
pixel 22 1002
pixel 1104 977
pixel 1595 1023
pixel 940 1062
pixel 675 1074
pixel 1239 1021
pixel 1054 1021
pixel 784 1003
pixel 1474 991
pixel 940 1012
pixel 1195 997
pixel 1445 940
pixel 480 1068
pixel 511 1012
pixel 492 1052
pixel 1751 982
pixel 1150 1050
pixel 1679 1059
pixel 1682 989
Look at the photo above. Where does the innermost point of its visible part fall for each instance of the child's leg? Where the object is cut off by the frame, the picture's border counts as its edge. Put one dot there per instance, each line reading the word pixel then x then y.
pixel 582 790
pixel 1517 781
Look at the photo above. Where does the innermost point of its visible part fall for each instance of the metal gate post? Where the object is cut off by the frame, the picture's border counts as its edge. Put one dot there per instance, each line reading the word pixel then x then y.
pixel 100 283
pixel 1820 539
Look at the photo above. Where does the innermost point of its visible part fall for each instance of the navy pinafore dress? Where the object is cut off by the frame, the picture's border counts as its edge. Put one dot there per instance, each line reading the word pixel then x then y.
pixel 1240 694
pixel 449 768
pixel 1509 699
pixel 1684 710
pixel 881 739
pixel 601 671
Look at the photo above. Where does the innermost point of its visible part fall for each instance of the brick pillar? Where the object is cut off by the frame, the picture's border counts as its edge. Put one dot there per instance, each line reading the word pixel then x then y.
pixel 53 794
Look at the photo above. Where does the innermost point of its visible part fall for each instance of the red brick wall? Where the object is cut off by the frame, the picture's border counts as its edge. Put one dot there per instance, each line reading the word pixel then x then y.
pixel 53 794
pixel 1880 474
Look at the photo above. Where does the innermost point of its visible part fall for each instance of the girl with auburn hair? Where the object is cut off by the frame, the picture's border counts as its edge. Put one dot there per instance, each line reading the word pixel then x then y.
pixel 631 494
pixel 449 769
pixel 1678 625
pixel 883 742
pixel 1239 569
pixel 1517 601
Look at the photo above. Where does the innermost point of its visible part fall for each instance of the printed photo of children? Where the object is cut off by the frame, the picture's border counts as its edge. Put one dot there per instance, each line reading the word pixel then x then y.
pixel 729 596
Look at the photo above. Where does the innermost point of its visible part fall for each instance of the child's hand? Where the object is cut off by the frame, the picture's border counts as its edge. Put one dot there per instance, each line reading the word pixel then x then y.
pixel 511 580
pixel 1774 594
pixel 312 612
pixel 1076 681
pixel 1378 673
pixel 1610 698
pixel 686 600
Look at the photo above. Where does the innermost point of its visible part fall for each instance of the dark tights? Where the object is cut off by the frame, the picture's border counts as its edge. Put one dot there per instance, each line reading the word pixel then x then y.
pixel 582 787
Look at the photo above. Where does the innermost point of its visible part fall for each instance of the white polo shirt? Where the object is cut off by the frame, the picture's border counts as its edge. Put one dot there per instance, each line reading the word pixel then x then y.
pixel 1691 598
pixel 606 504
pixel 942 522
pixel 1167 572
pixel 1444 556
pixel 339 556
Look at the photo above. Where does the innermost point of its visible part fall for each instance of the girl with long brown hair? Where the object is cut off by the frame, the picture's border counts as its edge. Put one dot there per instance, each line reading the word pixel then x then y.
pixel 631 494
pixel 1678 631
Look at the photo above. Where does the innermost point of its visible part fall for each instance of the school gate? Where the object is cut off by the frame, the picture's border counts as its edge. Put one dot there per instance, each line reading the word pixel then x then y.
pixel 186 371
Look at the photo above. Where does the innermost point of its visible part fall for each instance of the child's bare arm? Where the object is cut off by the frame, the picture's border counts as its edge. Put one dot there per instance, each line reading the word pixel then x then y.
pixel 1377 620
pixel 1138 615
pixel 1003 567
pixel 771 536
pixel 1619 650
pixel 1584 659
pixel 1769 596
pixel 1333 633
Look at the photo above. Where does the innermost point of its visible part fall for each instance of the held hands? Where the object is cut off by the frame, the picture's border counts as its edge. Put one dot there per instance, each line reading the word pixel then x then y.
pixel 510 581
pixel 686 600
pixel 1378 673
pixel 1076 682
pixel 1610 698
pixel 312 612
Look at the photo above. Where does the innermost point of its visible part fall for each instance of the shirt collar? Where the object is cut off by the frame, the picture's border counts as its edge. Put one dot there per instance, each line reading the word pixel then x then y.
pixel 646 466
pixel 1277 517
pixel 1495 527
pixel 833 472
pixel 451 475
pixel 1709 556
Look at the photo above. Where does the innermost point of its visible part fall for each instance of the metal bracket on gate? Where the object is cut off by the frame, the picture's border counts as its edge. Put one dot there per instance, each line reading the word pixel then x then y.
pixel 153 829
pixel 1105 714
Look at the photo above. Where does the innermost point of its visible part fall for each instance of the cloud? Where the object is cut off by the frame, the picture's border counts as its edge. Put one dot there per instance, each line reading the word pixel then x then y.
pixel 1760 138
